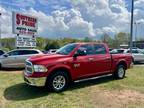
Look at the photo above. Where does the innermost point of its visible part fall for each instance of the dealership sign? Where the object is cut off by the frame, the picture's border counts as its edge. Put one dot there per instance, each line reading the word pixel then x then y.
pixel 24 24
pixel 25 41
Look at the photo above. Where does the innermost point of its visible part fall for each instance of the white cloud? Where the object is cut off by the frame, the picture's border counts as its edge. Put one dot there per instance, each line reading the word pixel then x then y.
pixel 5 21
pixel 24 3
pixel 85 18
pixel 139 4
pixel 55 4
pixel 140 21
pixel 105 13
pixel 63 24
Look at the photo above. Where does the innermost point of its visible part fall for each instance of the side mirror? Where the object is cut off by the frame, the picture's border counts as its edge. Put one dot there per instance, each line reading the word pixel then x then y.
pixel 5 55
pixel 80 52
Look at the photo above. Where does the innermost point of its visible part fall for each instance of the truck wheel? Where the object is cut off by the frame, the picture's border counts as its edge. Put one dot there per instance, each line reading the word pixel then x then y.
pixel 0 66
pixel 58 81
pixel 120 72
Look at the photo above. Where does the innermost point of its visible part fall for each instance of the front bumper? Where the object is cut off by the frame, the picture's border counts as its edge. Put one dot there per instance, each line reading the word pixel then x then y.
pixel 35 81
pixel 131 65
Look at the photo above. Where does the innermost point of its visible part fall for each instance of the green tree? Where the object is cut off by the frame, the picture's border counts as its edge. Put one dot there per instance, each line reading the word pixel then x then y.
pixel 121 38
pixel 88 39
pixel 52 45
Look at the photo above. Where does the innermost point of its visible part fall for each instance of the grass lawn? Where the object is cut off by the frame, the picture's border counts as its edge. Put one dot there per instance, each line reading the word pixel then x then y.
pixel 97 93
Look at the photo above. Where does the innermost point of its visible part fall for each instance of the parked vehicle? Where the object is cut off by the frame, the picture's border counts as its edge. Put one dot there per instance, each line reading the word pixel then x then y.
pixel 74 62
pixel 138 55
pixel 16 58
pixel 135 48
pixel 110 49
pixel 51 51
pixel 117 51
pixel 2 52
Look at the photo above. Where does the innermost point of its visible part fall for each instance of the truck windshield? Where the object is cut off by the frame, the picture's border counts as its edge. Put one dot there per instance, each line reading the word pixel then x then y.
pixel 67 49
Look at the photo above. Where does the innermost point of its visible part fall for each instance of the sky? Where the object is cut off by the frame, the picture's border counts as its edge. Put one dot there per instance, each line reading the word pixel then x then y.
pixel 75 18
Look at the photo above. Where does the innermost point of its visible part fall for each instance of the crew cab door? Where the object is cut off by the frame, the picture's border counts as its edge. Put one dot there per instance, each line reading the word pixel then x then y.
pixel 102 59
pixel 83 65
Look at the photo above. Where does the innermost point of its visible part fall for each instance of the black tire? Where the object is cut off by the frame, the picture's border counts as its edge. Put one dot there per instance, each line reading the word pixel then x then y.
pixel 120 72
pixel 0 66
pixel 53 80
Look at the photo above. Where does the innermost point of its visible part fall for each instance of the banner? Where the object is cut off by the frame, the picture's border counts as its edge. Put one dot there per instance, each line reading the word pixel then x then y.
pixel 25 41
pixel 24 24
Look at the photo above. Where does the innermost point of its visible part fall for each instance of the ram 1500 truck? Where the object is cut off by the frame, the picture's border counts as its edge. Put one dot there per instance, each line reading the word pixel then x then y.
pixel 73 62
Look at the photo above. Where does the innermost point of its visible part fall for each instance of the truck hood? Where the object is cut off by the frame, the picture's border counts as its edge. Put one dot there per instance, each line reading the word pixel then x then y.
pixel 44 57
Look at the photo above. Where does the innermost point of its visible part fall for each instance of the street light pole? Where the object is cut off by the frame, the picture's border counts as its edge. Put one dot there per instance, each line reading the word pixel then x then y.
pixel 131 30
pixel 135 33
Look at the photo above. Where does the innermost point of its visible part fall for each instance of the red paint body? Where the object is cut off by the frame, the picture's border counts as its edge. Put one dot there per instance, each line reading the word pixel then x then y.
pixel 100 65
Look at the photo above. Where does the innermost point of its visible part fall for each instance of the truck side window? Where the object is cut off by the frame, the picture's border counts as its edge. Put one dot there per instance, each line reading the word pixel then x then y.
pixel 88 48
pixel 100 49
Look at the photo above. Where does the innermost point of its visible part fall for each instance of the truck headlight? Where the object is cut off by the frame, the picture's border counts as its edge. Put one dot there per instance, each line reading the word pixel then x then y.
pixel 40 68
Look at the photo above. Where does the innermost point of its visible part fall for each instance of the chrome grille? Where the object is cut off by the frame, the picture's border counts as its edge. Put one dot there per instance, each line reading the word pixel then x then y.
pixel 28 67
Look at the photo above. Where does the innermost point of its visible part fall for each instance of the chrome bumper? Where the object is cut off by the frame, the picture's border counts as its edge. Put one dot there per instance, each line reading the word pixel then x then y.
pixel 35 81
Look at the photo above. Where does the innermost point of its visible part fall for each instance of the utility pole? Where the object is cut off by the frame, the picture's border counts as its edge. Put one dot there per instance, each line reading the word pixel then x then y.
pixel 131 30
pixel 136 29
pixel 0 32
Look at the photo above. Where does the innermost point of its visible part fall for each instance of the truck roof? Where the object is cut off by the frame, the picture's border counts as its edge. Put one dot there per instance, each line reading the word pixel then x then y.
pixel 90 43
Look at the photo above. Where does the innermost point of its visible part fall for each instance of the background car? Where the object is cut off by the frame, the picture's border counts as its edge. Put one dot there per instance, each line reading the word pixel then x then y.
pixel 117 51
pixel 110 49
pixel 1 52
pixel 16 58
pixel 51 51
pixel 137 54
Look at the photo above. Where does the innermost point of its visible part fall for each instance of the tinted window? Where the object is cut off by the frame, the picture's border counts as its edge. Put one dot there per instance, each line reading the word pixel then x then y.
pixel 1 52
pixel 120 51
pixel 133 51
pixel 99 49
pixel 27 52
pixel 88 48
pixel 128 51
pixel 13 53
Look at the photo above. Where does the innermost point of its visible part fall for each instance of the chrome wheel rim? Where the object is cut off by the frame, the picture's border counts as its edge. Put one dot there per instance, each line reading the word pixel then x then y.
pixel 59 82
pixel 121 72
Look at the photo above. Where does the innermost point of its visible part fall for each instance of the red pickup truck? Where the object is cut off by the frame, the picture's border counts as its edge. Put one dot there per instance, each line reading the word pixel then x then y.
pixel 73 62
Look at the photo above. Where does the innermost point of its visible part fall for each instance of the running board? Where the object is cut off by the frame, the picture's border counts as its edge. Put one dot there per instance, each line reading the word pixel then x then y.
pixel 92 78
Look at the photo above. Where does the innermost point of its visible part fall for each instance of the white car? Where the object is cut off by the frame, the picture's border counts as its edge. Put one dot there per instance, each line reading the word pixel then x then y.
pixel 16 58
pixel 137 54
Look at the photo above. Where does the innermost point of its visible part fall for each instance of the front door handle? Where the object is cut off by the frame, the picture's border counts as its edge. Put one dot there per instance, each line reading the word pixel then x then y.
pixel 91 59
pixel 108 58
